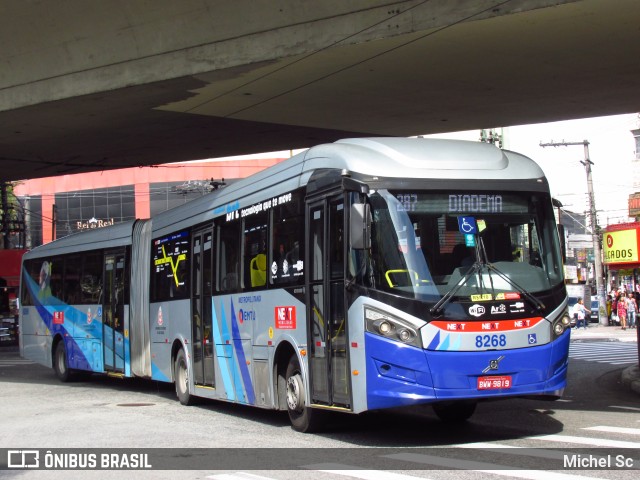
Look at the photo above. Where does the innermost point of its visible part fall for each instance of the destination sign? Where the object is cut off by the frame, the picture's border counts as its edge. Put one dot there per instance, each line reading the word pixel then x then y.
pixel 461 203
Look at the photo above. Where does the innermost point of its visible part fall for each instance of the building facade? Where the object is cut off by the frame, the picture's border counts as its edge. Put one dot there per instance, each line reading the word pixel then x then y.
pixel 54 207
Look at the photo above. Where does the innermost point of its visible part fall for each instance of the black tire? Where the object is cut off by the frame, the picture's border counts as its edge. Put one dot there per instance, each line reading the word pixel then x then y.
pixel 455 411
pixel 181 377
pixel 303 419
pixel 60 365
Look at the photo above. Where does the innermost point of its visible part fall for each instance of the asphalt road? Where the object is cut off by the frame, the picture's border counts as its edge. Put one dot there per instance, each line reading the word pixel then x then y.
pixel 598 416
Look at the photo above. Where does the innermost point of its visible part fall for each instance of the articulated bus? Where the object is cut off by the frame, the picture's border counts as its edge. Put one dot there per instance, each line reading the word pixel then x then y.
pixel 360 275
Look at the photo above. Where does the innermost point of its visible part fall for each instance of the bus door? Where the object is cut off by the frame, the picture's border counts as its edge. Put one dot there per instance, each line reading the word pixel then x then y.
pixel 326 306
pixel 113 300
pixel 201 318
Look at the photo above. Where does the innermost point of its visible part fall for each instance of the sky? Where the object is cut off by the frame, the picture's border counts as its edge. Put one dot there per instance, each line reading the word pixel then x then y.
pixel 611 149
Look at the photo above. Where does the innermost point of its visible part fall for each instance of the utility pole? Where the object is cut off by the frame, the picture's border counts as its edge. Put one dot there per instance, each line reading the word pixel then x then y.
pixel 492 136
pixel 602 317
pixel 27 223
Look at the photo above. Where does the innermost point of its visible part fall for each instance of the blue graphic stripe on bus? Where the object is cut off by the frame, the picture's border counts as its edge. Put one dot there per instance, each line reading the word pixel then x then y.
pixel 46 313
pixel 219 342
pixel 41 299
pixel 435 342
pixel 242 361
pixel 83 336
pixel 158 374
pixel 445 343
pixel 237 378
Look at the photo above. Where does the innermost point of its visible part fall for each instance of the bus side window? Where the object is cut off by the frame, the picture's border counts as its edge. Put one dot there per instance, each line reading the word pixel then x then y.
pixel 229 256
pixel 31 271
pixel 91 280
pixel 286 263
pixel 56 277
pixel 255 249
pixel 170 267
pixel 72 270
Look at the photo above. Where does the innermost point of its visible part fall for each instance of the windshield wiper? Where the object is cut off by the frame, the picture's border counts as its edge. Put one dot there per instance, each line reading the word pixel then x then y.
pixel 437 309
pixel 537 304
pixel 482 261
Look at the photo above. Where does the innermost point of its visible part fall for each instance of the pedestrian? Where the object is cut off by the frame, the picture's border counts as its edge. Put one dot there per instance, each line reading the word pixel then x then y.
pixel 609 303
pixel 622 312
pixel 632 310
pixel 580 313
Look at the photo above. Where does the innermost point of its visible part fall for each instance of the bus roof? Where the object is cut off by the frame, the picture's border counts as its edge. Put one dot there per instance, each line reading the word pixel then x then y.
pixel 426 158
pixel 381 157
pixel 106 237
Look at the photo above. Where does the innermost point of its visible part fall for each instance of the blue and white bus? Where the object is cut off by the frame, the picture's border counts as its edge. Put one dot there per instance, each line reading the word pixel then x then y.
pixel 360 275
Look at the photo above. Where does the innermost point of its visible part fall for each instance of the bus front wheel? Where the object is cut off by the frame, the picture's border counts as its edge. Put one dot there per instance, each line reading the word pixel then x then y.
pixel 302 418
pixel 455 411
pixel 60 365
pixel 181 376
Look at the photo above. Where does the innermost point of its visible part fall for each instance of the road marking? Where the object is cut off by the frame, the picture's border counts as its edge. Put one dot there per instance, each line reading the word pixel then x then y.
pixel 635 409
pixel 238 476
pixel 348 471
pixel 595 442
pixel 625 430
pixel 15 363
pixel 613 353
pixel 555 454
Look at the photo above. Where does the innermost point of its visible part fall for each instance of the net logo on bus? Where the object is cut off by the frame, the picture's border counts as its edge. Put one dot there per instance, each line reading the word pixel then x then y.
pixel 58 318
pixel 285 318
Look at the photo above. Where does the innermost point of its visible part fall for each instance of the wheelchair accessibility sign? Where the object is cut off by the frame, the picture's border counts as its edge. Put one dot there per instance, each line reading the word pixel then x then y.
pixel 467 225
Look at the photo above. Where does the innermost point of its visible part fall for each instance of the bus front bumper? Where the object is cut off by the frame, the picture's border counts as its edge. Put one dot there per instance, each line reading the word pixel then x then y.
pixel 400 375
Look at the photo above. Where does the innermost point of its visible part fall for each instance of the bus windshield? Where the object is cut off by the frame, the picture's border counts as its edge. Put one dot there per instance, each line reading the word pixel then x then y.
pixel 419 250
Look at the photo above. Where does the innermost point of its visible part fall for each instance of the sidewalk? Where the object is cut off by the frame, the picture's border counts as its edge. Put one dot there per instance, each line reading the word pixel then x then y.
pixel 630 375
pixel 595 331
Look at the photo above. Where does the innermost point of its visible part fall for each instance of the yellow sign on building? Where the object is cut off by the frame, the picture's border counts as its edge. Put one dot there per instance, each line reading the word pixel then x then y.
pixel 620 246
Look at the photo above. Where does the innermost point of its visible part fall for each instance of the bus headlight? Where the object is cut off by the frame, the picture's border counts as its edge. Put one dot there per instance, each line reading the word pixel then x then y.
pixel 391 327
pixel 384 327
pixel 558 329
pixel 561 324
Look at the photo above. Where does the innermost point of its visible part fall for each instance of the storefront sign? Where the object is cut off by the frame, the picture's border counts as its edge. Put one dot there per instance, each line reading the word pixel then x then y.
pixel 94 223
pixel 620 247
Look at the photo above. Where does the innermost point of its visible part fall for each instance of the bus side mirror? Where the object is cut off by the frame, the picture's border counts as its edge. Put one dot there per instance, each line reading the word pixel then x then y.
pixel 360 226
pixel 563 243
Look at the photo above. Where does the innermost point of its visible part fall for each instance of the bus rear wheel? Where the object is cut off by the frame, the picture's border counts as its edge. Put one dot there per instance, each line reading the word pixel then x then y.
pixel 60 365
pixel 302 418
pixel 455 411
pixel 181 376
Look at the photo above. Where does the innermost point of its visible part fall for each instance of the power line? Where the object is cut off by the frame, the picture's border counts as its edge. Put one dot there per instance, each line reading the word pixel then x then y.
pixel 305 57
pixel 348 67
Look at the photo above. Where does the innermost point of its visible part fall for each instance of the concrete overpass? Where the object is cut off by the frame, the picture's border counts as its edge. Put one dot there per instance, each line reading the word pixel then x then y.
pixel 95 85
